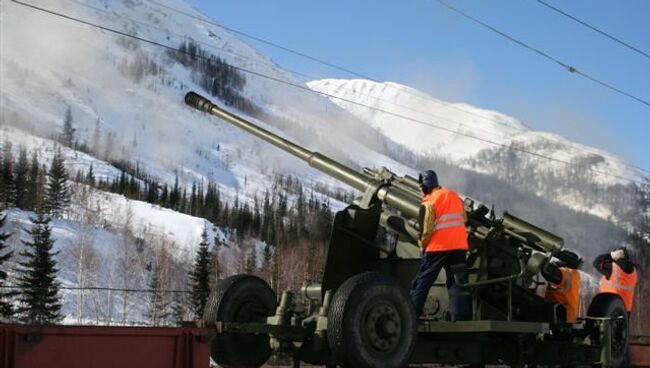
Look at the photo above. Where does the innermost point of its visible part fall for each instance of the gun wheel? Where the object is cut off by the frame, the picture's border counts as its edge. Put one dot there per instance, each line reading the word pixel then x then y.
pixel 611 306
pixel 243 299
pixel 371 323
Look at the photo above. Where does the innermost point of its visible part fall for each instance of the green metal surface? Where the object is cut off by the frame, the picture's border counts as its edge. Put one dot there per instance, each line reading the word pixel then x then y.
pixel 438 327
pixel 532 235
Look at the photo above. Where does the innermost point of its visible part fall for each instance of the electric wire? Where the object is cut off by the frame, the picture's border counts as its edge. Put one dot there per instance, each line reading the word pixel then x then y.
pixel 365 76
pixel 305 88
pixel 95 288
pixel 321 61
pixel 606 34
pixel 237 55
pixel 569 68
pixel 251 72
pixel 492 133
pixel 293 71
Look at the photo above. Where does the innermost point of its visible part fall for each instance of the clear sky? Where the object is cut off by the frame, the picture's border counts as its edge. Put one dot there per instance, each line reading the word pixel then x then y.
pixel 424 45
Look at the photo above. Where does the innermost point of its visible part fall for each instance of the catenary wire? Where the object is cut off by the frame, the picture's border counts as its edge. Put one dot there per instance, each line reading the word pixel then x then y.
pixel 566 155
pixel 302 87
pixel 237 55
pixel 320 61
pixel 365 76
pixel 251 72
pixel 96 288
pixel 606 34
pixel 543 54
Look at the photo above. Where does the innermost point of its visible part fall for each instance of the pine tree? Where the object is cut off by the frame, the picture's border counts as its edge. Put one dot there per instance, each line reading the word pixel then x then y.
pixel 179 309
pixel 67 137
pixel 57 194
pixel 39 301
pixel 34 190
pixel 21 173
pixel 200 276
pixel 6 309
pixel 7 188
pixel 216 262
pixel 90 177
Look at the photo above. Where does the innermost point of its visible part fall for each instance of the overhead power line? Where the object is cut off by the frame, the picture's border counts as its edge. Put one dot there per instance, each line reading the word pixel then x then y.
pixel 606 34
pixel 305 88
pixel 543 54
pixel 319 60
pixel 230 52
pixel 96 288
pixel 365 76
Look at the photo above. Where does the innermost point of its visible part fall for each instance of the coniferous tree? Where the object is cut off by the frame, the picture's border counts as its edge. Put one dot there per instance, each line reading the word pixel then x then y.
pixel 39 300
pixel 90 177
pixel 174 195
pixel 21 177
pixel 57 194
pixel 7 184
pixel 216 262
pixel 179 309
pixel 67 136
pixel 34 190
pixel 200 276
pixel 6 309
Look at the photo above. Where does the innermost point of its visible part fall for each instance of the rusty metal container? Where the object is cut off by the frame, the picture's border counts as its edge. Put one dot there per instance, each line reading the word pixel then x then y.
pixel 640 351
pixel 23 346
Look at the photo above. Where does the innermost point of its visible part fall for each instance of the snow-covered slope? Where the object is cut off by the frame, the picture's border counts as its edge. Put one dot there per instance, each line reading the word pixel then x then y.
pixel 147 119
pixel 458 131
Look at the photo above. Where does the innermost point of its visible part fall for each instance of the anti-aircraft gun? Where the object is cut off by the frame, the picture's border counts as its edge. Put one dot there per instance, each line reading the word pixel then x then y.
pixel 361 315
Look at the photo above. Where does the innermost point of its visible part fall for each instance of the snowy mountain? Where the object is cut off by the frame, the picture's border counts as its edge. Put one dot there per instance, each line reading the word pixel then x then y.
pixel 125 98
pixel 458 132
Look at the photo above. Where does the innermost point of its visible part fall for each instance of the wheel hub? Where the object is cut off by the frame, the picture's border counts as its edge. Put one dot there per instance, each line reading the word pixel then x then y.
pixel 382 327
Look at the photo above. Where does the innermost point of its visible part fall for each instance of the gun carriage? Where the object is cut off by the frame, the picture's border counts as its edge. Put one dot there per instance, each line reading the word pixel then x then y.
pixel 362 315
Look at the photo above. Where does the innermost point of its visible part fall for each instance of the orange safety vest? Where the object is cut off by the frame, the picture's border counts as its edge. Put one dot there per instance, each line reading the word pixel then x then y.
pixel 620 283
pixel 566 292
pixel 449 232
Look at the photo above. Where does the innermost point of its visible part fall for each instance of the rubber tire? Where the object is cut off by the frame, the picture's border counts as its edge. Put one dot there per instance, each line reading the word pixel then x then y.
pixel 225 305
pixel 610 305
pixel 345 316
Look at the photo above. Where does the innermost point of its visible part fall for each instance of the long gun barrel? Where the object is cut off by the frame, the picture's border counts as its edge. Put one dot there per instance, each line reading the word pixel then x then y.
pixel 402 199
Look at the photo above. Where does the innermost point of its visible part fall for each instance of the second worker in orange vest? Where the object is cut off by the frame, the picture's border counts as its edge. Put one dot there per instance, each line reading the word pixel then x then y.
pixel 564 287
pixel 443 240
pixel 619 275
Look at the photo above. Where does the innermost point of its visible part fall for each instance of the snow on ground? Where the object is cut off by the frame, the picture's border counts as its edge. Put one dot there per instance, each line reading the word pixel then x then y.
pixel 45 150
pixel 184 231
pixel 122 222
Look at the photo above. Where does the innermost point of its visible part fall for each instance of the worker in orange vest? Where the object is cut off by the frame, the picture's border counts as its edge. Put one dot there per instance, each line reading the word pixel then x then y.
pixel 619 275
pixel 443 239
pixel 564 286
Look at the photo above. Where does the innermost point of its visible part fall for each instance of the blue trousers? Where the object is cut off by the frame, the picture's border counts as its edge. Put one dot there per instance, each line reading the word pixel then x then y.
pixel 460 306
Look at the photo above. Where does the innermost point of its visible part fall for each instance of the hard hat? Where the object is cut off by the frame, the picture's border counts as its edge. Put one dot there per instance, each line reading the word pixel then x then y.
pixel 428 179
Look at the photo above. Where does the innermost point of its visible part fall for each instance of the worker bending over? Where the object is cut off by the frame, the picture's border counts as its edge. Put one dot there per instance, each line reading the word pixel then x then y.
pixel 619 275
pixel 564 286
